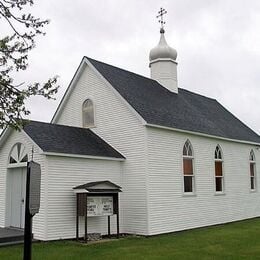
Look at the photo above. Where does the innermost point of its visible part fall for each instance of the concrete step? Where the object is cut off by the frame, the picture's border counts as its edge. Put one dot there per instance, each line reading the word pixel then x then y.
pixel 10 236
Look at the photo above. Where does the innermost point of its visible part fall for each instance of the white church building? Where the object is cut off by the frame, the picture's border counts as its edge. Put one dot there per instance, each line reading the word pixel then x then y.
pixel 182 160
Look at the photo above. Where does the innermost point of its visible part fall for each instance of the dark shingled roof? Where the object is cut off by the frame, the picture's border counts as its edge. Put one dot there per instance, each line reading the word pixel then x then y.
pixel 69 140
pixel 185 110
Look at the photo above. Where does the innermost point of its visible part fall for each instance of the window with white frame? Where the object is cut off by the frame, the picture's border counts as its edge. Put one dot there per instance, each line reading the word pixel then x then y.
pixel 88 117
pixel 18 154
pixel 252 170
pixel 188 174
pixel 219 177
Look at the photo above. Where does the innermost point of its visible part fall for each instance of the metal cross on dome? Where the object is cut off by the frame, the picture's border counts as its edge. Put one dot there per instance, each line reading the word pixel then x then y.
pixel 160 16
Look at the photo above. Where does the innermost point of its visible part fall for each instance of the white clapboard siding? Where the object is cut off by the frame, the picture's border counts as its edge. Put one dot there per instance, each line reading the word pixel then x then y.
pixel 170 210
pixel 39 219
pixel 64 173
pixel 120 127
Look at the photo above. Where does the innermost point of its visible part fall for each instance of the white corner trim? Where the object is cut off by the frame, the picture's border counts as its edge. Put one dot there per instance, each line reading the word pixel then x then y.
pixel 204 135
pixel 83 156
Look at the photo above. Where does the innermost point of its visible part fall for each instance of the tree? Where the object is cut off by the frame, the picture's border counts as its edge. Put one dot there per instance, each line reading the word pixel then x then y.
pixel 14 51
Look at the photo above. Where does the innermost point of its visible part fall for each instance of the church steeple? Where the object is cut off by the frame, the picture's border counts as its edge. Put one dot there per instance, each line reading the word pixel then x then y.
pixel 163 60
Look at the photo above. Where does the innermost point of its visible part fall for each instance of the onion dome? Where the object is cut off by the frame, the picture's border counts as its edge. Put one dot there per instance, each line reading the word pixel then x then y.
pixel 162 50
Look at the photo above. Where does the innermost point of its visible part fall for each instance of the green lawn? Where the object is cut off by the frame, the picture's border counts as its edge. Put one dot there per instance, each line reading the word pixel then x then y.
pixel 240 240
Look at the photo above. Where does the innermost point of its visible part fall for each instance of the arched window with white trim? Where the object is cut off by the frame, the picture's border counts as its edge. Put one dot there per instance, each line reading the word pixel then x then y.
pixel 88 116
pixel 188 173
pixel 219 177
pixel 252 171
pixel 18 154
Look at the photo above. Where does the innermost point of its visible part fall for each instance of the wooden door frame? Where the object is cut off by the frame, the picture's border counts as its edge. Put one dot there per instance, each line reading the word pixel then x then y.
pixel 9 194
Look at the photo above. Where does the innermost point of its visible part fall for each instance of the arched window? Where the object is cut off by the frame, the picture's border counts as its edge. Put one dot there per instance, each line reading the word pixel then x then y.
pixel 219 178
pixel 88 117
pixel 188 175
pixel 252 170
pixel 18 154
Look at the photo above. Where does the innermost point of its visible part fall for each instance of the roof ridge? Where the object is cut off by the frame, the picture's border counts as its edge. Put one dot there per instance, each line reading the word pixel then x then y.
pixel 139 75
pixel 128 71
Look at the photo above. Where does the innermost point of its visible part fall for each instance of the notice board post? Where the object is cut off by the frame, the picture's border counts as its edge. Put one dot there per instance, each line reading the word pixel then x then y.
pixel 32 204
pixel 97 199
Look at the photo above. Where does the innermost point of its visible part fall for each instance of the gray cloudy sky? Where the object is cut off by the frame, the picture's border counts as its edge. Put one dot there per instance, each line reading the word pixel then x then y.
pixel 218 45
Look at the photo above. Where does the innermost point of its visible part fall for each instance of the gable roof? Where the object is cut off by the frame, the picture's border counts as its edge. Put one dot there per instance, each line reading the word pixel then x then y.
pixel 63 139
pixel 186 110
pixel 99 186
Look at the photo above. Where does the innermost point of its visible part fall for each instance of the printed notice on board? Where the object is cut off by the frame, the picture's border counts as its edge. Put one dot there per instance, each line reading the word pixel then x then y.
pixel 99 206
pixel 92 206
pixel 107 206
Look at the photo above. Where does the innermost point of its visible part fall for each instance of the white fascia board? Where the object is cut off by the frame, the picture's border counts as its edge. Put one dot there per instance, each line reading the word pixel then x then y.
pixel 73 82
pixel 9 130
pixel 139 117
pixel 17 165
pixel 163 60
pixel 80 191
pixel 31 140
pixel 83 156
pixel 4 135
pixel 204 135
pixel 98 192
pixel 68 91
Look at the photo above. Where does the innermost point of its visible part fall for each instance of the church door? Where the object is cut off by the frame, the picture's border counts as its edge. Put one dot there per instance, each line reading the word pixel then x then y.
pixel 17 196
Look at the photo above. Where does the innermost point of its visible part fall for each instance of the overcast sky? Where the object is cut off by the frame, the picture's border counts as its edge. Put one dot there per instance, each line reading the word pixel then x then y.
pixel 218 45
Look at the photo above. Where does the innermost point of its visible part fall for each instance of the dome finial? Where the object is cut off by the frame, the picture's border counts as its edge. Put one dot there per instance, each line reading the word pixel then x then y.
pixel 161 21
pixel 162 50
pixel 163 60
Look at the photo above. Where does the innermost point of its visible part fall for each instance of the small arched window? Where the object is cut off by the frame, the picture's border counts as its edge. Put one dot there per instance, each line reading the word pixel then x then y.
pixel 88 117
pixel 18 154
pixel 219 177
pixel 188 175
pixel 252 170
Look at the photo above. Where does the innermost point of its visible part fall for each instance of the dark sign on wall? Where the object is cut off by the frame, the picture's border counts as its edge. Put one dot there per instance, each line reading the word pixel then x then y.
pixel 35 187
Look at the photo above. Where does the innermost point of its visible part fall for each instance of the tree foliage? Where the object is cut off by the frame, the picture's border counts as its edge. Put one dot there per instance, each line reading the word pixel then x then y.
pixel 14 50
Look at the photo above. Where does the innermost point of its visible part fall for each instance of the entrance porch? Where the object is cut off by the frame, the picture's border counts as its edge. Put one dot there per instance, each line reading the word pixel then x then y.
pixel 9 236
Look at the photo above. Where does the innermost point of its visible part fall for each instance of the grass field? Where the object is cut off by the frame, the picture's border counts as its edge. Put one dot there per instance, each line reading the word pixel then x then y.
pixel 240 240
